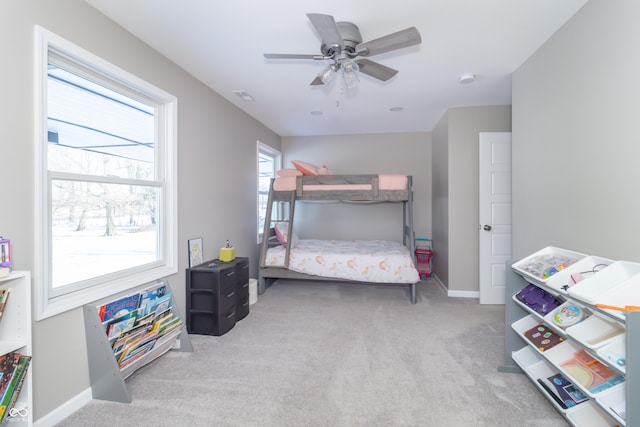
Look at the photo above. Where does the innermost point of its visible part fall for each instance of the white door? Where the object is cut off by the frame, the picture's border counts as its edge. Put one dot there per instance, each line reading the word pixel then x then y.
pixel 495 214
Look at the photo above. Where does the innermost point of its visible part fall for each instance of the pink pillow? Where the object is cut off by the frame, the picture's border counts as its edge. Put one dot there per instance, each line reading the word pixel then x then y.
pixel 281 234
pixel 324 170
pixel 305 168
pixel 288 172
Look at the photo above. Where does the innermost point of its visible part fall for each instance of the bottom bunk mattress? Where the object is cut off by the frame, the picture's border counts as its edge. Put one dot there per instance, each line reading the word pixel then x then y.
pixel 375 261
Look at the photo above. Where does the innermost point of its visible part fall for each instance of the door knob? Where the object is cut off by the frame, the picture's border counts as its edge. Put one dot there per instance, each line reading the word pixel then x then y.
pixel 486 228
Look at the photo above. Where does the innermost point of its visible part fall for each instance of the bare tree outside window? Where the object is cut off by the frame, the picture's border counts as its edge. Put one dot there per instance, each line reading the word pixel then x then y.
pixel 103 195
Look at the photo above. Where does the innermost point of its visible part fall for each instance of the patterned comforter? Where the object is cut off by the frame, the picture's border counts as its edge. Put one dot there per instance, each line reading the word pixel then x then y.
pixel 376 261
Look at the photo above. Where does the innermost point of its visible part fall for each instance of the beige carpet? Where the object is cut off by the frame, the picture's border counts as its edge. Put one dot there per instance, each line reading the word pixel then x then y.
pixel 317 354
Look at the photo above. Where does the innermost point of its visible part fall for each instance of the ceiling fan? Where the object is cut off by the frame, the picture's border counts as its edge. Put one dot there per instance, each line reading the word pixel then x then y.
pixel 342 45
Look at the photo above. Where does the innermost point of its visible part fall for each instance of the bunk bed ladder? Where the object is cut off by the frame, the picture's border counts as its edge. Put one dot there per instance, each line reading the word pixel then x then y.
pixel 408 232
pixel 292 206
pixel 269 239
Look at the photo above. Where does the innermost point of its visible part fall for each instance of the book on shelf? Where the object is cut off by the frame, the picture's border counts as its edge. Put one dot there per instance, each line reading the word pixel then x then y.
pixel 119 307
pixel 15 385
pixel 8 365
pixel 150 295
pixel 543 337
pixel 158 304
pixel 563 391
pixel 4 295
pixel 117 325
pixel 132 332
pixel 592 374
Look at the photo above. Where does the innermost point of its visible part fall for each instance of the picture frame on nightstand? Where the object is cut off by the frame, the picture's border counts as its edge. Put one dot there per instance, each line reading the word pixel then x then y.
pixel 195 252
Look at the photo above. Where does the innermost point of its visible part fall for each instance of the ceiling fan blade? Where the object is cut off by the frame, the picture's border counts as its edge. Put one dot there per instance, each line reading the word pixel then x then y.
pixel 316 82
pixel 291 56
pixel 326 26
pixel 375 69
pixel 404 38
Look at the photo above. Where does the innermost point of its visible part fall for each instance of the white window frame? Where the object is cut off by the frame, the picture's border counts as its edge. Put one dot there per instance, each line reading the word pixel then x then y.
pixel 46 304
pixel 267 150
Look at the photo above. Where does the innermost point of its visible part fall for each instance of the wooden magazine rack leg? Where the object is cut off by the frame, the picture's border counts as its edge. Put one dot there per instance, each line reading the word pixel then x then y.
pixel 106 381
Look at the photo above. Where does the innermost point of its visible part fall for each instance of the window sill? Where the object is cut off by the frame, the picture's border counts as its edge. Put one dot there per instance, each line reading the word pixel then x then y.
pixel 49 307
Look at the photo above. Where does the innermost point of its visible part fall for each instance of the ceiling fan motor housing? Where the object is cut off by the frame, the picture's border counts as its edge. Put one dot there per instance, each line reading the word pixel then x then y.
pixel 350 35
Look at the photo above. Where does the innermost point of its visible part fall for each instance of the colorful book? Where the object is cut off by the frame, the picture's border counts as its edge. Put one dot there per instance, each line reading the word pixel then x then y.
pixel 120 324
pixel 8 364
pixel 119 307
pixel 159 304
pixel 149 295
pixel 4 295
pixel 563 391
pixel 13 389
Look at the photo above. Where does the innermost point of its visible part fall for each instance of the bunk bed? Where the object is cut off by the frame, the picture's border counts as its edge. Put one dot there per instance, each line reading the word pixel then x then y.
pixel 284 256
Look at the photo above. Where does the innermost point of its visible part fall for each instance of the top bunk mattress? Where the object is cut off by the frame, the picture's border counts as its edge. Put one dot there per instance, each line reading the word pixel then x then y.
pixel 385 182
pixel 374 261
pixel 382 187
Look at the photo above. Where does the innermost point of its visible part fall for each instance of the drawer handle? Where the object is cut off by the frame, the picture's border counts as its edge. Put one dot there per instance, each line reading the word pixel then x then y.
pixel 244 267
pixel 231 294
pixel 245 285
pixel 245 304
pixel 233 313
pixel 231 273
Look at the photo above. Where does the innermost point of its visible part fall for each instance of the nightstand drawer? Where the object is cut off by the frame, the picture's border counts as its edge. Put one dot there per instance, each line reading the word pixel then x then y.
pixel 228 278
pixel 210 323
pixel 242 308
pixel 228 298
pixel 243 290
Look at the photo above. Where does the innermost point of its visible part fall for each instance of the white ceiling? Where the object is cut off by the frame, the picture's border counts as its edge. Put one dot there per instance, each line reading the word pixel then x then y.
pixel 222 44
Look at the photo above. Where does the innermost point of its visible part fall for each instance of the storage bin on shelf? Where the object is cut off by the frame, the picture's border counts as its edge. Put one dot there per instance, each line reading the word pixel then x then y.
pixel 424 252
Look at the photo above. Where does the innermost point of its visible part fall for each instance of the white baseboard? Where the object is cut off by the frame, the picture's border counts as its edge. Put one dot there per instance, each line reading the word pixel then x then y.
pixel 456 294
pixel 64 410
pixel 464 294
pixel 439 282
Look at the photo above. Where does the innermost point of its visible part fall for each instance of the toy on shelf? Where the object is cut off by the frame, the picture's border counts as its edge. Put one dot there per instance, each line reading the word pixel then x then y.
pixel 5 257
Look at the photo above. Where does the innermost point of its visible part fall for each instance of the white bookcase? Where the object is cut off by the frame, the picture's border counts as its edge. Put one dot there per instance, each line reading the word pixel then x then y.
pixel 15 335
pixel 607 284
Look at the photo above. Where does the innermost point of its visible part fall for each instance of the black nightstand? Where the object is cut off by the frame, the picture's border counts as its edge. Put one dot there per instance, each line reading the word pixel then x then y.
pixel 217 296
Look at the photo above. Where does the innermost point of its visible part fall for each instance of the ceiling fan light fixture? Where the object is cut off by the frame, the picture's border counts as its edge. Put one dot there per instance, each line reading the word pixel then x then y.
pixel 328 73
pixel 350 73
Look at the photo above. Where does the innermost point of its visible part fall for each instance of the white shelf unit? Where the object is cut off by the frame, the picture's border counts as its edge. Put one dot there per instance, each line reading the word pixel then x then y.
pixel 107 378
pixel 521 356
pixel 15 335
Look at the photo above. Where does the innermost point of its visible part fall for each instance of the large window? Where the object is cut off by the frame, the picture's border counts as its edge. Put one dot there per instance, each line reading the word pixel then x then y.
pixel 105 178
pixel 269 160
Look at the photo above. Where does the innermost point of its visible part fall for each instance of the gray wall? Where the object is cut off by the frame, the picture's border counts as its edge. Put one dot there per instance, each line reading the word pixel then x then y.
pixel 457 141
pixel 217 144
pixel 576 178
pixel 440 208
pixel 402 153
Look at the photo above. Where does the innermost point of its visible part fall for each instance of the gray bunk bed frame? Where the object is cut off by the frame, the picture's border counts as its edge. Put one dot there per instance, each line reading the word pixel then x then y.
pixel 268 274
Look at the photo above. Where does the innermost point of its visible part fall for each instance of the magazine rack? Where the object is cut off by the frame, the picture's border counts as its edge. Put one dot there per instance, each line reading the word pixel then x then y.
pixel 106 377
